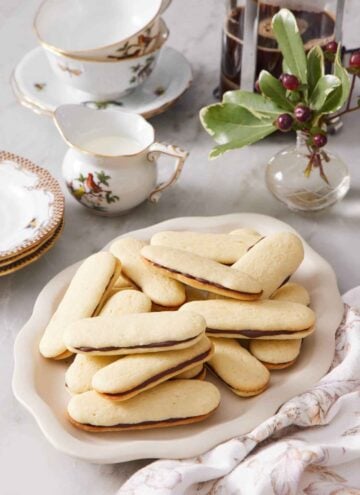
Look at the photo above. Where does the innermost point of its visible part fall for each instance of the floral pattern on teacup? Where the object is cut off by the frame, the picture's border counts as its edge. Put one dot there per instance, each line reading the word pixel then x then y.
pixel 142 71
pixel 92 191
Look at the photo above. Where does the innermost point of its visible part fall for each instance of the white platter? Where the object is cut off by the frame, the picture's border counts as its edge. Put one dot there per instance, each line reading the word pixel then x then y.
pixel 39 384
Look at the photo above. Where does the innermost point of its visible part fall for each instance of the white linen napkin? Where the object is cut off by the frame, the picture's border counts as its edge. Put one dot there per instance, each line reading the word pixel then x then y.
pixel 287 457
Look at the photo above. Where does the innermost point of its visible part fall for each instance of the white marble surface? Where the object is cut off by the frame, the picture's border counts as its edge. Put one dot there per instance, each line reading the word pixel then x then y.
pixel 230 184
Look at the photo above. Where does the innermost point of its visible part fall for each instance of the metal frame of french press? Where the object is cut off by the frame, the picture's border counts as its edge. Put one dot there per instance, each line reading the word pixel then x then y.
pixel 248 60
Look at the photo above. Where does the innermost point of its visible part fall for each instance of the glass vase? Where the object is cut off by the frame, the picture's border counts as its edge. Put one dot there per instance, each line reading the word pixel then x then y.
pixel 305 179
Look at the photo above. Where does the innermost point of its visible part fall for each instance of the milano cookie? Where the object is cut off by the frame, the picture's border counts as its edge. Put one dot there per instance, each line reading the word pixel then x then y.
pixel 161 290
pixel 172 403
pixel 218 247
pixel 201 273
pixel 276 354
pixel 83 298
pixel 263 319
pixel 79 374
pixel 272 261
pixel 136 333
pixel 238 369
pixel 136 373
pixel 279 354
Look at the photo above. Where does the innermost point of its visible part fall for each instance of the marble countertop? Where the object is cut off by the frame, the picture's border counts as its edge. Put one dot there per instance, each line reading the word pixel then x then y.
pixel 233 183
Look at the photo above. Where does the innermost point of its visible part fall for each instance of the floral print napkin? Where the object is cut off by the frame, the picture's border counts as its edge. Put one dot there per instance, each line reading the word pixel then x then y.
pixel 283 456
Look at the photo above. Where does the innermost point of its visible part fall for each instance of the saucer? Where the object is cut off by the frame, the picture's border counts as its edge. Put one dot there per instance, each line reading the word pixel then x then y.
pixel 31 206
pixel 37 88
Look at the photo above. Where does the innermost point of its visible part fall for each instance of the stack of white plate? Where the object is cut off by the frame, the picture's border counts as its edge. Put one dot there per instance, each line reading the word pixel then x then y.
pixel 31 212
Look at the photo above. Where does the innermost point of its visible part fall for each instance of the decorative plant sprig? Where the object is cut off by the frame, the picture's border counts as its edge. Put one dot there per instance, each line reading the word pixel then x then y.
pixel 302 99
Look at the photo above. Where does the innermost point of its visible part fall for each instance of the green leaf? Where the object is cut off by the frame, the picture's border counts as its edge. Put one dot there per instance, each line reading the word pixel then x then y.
pixel 233 126
pixel 273 89
pixel 256 103
pixel 324 87
pixel 290 43
pixel 315 67
pixel 337 99
pixel 285 67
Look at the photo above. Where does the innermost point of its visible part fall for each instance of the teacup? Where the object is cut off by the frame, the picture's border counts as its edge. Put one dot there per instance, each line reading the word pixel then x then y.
pixel 111 164
pixel 107 79
pixel 90 30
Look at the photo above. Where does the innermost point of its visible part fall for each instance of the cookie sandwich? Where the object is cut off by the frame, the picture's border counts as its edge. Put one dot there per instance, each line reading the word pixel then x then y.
pixel 272 260
pixel 135 333
pixel 136 373
pixel 191 401
pixel 264 319
pixel 223 248
pixel 201 273
pixel 238 369
pixel 85 296
pixel 161 290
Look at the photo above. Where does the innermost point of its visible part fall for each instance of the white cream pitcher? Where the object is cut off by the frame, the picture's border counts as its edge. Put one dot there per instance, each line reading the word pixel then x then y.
pixel 111 164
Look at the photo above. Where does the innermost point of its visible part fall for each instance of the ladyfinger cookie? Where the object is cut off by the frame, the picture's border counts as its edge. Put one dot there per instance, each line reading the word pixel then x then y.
pixel 135 333
pixel 238 369
pixel 265 319
pixel 126 302
pixel 175 402
pixel 292 292
pixel 276 354
pixel 247 236
pixel 272 260
pixel 222 248
pixel 83 298
pixel 136 373
pixel 161 290
pixel 79 374
pixel 201 273
pixel 279 354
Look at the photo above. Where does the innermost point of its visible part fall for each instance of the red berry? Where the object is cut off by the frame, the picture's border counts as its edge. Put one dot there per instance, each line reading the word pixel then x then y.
pixel 319 140
pixel 355 60
pixel 284 122
pixel 289 82
pixel 331 47
pixel 302 113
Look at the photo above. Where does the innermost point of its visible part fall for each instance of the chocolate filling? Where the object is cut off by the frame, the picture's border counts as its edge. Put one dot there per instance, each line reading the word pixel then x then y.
pixel 201 280
pixel 146 423
pixel 254 333
pixel 166 343
pixel 154 378
pixel 285 281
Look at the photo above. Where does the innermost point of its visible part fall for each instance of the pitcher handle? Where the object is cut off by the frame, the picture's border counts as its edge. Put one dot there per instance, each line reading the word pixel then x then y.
pixel 170 150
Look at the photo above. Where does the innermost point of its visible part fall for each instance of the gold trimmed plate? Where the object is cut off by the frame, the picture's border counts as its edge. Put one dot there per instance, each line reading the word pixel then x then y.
pixel 37 88
pixel 40 251
pixel 31 205
pixel 29 251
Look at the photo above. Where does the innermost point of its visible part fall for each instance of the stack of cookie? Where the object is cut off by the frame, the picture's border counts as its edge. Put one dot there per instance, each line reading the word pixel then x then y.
pixel 255 318
pixel 124 354
pixel 154 314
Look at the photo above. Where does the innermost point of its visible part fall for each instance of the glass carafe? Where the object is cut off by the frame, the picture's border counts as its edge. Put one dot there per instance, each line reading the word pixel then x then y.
pixel 248 43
